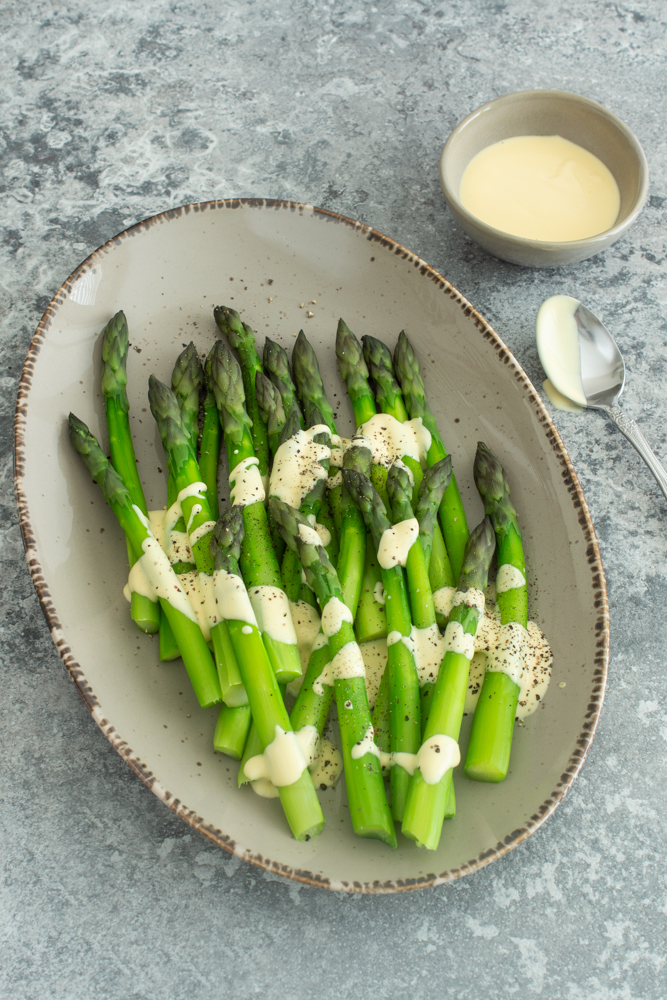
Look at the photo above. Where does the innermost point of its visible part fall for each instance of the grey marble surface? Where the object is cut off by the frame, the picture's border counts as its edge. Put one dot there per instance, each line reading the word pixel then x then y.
pixel 113 112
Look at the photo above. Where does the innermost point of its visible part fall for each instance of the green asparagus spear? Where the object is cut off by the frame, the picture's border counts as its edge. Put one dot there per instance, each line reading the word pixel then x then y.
pixel 277 369
pixel 316 411
pixel 312 704
pixel 429 787
pixel 404 708
pixel 353 368
pixel 309 383
pixel 115 342
pixel 390 400
pixel 399 490
pixel 271 409
pixel 209 452
pixel 388 396
pixel 227 386
pixel 242 338
pixel 160 576
pixel 291 567
pixel 370 621
pixel 436 479
pixel 187 481
pixel 351 554
pixel 399 493
pixel 493 487
pixel 326 518
pixel 291 427
pixel 298 797
pixel 252 748
pixel 363 776
pixel 186 420
pixel 187 380
pixel 434 484
pixel 225 549
pixel 386 389
pixel 231 731
pixel 167 647
pixel 184 470
pixel 493 723
pixel 452 514
pixel 258 559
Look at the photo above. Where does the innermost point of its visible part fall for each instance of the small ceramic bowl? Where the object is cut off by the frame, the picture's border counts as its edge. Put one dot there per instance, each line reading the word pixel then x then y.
pixel 546 112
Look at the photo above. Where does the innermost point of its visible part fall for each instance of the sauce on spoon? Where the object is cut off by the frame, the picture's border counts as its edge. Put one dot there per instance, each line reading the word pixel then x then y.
pixel 557 340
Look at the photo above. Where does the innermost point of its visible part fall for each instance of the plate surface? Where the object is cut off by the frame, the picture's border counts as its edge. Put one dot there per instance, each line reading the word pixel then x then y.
pixel 286 266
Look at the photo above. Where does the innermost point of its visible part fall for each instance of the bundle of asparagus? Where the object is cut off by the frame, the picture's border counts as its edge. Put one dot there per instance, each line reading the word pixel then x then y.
pixel 363 539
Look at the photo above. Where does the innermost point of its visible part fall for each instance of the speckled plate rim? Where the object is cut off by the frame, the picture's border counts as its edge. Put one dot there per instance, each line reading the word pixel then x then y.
pixel 570 480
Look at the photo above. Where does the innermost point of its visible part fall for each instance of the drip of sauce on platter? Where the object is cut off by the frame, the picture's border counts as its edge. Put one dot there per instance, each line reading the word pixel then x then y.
pixel 541 187
pixel 558 400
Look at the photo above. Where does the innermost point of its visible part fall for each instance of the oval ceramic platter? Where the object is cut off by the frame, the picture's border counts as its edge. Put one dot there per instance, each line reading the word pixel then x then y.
pixel 286 266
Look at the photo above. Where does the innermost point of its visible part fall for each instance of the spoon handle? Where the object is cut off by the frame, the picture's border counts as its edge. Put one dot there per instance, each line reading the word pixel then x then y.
pixel 628 427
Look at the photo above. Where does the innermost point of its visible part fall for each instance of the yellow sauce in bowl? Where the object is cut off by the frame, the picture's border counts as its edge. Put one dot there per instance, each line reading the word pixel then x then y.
pixel 541 187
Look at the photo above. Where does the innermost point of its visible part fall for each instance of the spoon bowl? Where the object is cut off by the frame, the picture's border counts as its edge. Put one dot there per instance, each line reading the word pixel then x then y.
pixel 583 362
pixel 602 366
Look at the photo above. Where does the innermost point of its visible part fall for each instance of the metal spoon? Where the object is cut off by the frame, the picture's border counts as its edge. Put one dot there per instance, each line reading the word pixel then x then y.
pixel 601 376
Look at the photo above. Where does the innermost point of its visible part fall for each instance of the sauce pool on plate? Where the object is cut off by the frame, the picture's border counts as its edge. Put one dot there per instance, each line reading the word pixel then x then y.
pixel 541 187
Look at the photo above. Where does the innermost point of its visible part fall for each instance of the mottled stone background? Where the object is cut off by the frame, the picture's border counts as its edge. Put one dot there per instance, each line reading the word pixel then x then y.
pixel 113 112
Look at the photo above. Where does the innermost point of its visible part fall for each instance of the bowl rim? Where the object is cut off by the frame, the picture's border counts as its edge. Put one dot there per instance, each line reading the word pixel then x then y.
pixel 600 239
pixel 571 482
